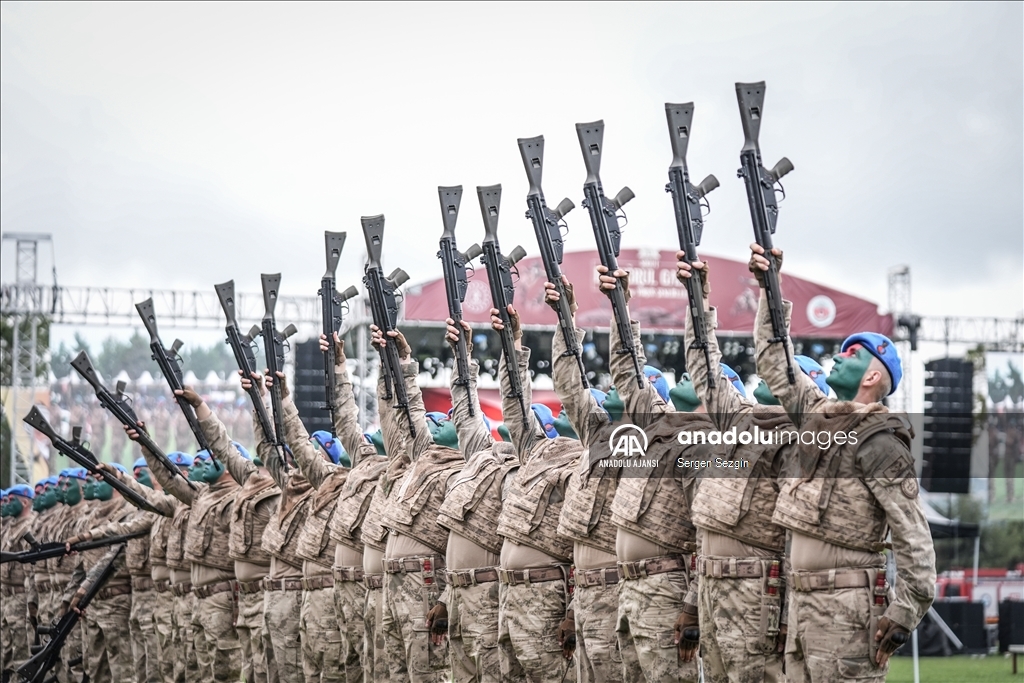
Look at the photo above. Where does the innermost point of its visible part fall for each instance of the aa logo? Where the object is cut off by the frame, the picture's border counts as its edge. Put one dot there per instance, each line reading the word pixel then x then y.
pixel 628 441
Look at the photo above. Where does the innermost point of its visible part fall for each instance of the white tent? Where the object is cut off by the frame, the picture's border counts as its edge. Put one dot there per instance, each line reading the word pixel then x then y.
pixel 145 379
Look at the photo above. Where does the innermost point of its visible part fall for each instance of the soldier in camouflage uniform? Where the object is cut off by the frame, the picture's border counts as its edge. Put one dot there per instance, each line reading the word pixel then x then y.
pixel 471 509
pixel 534 572
pixel 218 651
pixel 15 633
pixel 414 554
pixel 353 502
pixel 839 505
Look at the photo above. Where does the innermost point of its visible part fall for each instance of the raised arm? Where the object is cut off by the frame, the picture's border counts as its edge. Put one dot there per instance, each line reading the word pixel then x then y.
pixel 164 504
pixel 176 486
pixel 313 466
pixel 217 436
pixel 415 417
pixel 472 431
pixel 522 437
pixel 346 420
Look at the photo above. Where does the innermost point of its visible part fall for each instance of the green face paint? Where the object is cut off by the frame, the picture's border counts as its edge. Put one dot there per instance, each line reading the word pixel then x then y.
pixel 377 439
pixel 213 470
pixel 764 396
pixel 198 470
pixel 72 493
pixel 102 490
pixel 89 489
pixel 5 508
pixel 142 476
pixel 613 405
pixel 504 434
pixel 684 395
pixel 564 427
pixel 444 434
pixel 48 499
pixel 58 490
pixel 848 372
pixel 15 507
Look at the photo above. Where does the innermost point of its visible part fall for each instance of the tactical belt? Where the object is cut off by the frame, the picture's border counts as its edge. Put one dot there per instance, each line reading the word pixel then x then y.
pixel 162 586
pixel 833 579
pixel 113 591
pixel 142 583
pixel 203 592
pixel 44 585
pixel 605 576
pixel 407 565
pixel 730 568
pixel 373 581
pixel 649 567
pixel 180 590
pixel 347 574
pixel 11 589
pixel 471 577
pixel 315 583
pixel 282 584
pixel 249 587
pixel 514 577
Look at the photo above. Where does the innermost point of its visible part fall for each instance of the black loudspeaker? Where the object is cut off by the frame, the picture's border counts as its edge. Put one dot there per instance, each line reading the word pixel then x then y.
pixel 1011 624
pixel 948 424
pixel 309 390
pixel 967 620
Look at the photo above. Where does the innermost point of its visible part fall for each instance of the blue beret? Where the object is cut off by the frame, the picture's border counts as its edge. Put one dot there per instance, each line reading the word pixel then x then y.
pixel 334 450
pixel 658 380
pixel 181 459
pixel 546 419
pixel 882 348
pixel 78 473
pixel 599 396
pixel 241 450
pixel 814 371
pixel 21 490
pixel 731 375
pixel 141 462
pixel 119 467
pixel 202 455
pixel 437 417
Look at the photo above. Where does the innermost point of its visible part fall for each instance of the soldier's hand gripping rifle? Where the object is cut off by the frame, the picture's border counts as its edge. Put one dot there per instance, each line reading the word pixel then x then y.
pixel 549 238
pixel 273 348
pixel 689 223
pixel 764 209
pixel 120 407
pixel 242 348
pixel 331 314
pixel 45 551
pixel 35 670
pixel 76 451
pixel 607 233
pixel 499 277
pixel 170 367
pixel 384 311
pixel 453 262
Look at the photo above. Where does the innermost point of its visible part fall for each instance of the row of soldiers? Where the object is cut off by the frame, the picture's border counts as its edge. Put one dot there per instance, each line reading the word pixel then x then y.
pixel 432 551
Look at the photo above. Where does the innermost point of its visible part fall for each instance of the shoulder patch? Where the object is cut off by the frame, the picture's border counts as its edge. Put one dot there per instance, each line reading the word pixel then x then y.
pixel 909 487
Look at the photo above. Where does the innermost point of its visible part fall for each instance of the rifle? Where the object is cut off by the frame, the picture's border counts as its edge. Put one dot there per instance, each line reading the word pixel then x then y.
pixel 499 277
pixel 170 367
pixel 384 310
pixel 75 450
pixel 606 231
pixel 689 222
pixel 120 407
pixel 45 551
pixel 273 349
pixel 40 664
pixel 330 307
pixel 764 209
pixel 549 239
pixel 242 348
pixel 453 263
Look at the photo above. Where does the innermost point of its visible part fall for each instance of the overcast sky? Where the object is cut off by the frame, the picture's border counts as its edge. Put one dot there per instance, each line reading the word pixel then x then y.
pixel 178 145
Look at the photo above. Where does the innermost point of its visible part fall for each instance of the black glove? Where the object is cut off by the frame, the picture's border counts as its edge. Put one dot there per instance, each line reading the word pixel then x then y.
pixel 890 637
pixel 687 630
pixel 567 635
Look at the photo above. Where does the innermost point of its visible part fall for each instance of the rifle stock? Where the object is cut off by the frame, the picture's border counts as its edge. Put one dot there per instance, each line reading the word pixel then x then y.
pixel 456 282
pixel 331 316
pixel 273 349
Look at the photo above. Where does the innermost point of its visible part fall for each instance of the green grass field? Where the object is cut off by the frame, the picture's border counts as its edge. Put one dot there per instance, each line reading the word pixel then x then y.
pixel 962 669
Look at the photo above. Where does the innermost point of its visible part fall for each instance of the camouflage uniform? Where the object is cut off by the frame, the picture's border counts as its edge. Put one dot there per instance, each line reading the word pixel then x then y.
pixel 471 509
pixel 412 585
pixel 867 488
pixel 530 608
pixel 52 578
pixel 182 644
pixel 740 605
pixel 15 629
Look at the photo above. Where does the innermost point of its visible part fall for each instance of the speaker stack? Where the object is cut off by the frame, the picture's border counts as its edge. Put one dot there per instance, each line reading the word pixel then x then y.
pixel 308 391
pixel 948 425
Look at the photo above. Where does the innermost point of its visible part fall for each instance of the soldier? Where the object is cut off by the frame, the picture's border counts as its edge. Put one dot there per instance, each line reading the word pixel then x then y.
pixel 218 651
pixel 353 501
pixel 741 593
pixel 48 591
pixel 182 644
pixel 15 630
pixel 106 642
pixel 51 583
pixel 534 572
pixel 470 511
pixel 414 554
pixel 840 505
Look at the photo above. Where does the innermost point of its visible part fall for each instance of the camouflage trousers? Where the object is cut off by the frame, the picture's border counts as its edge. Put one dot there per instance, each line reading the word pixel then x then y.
pixel 473 632
pixel 528 615
pixel 411 655
pixel 249 627
pixel 320 637
pixel 186 666
pixel 145 650
pixel 349 602
pixel 735 645
pixel 106 641
pixel 600 656
pixel 281 612
pixel 217 648
pixel 648 609
pixel 375 659
pixel 14 628
pixel 163 625
pixel 831 636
